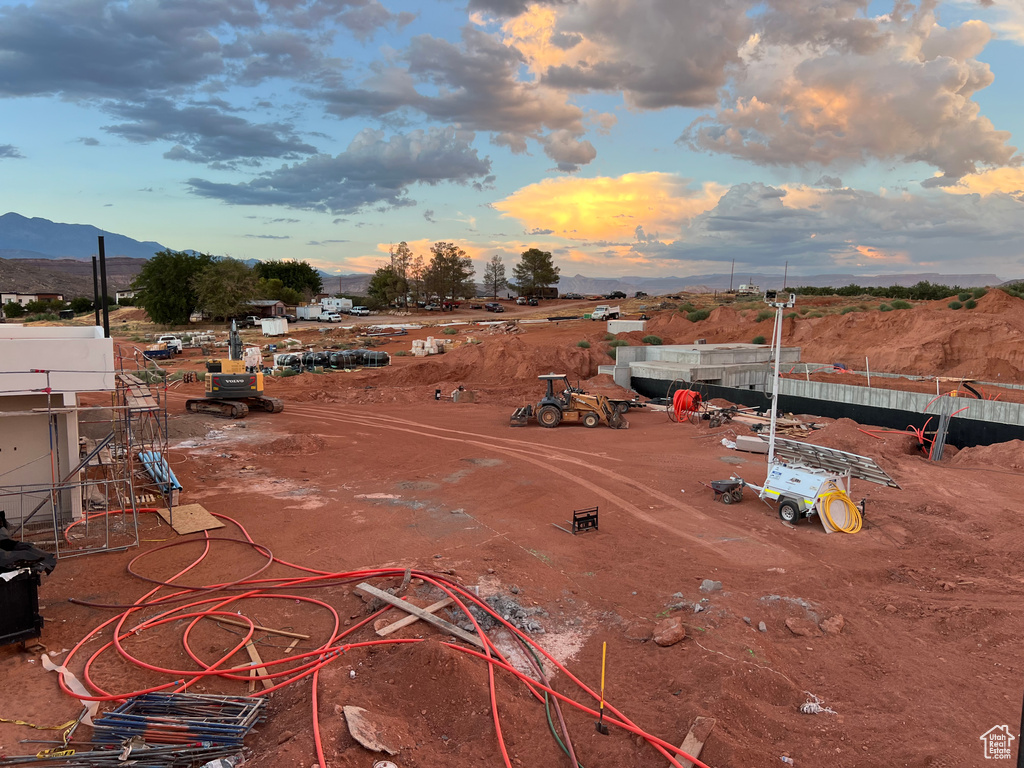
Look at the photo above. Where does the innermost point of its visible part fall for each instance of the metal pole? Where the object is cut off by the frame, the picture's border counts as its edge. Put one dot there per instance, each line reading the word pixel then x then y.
pixel 103 288
pixel 95 292
pixel 867 367
pixel 731 273
pixel 777 347
pixel 785 276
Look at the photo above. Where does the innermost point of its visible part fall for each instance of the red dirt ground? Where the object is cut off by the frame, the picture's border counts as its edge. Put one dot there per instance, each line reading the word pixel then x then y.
pixel 927 660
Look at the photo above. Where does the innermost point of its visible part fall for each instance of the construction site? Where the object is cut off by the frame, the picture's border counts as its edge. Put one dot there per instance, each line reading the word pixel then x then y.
pixel 542 540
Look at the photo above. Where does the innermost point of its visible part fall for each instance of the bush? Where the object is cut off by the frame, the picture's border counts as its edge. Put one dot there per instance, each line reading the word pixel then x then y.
pixel 450 331
pixel 764 314
pixel 609 337
pixel 848 310
pixel 901 304
pixel 618 343
pixel 583 344
pixel 757 340
pixel 611 353
pixel 653 340
pixel 804 310
pixel 979 292
pixel 50 316
pixel 970 304
pixel 964 296
pixel 884 308
pixel 791 314
pixel 698 315
pixel 402 353
pixel 955 305
pixel 687 307
pixel 814 314
pixel 286 372
pixel 13 309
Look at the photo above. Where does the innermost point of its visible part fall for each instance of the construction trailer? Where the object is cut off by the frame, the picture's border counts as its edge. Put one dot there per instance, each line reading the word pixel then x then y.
pixel 77 413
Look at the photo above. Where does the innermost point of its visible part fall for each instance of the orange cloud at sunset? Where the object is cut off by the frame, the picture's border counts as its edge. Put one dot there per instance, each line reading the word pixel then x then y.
pixel 607 208
pixel 1008 180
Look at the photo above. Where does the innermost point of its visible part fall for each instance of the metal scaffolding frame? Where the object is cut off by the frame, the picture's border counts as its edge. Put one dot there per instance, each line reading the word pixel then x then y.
pixel 110 478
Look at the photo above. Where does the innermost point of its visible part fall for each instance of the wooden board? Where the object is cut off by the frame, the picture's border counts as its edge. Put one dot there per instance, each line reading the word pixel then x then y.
pixel 694 741
pixel 416 611
pixel 190 518
pixel 258 670
pixel 411 619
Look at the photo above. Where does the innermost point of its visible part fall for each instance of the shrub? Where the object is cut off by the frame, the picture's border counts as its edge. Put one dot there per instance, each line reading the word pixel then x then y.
pixel 791 314
pixel 955 305
pixel 618 343
pixel 964 296
pixel 757 340
pixel 815 313
pixel 698 315
pixel 901 304
pixel 402 353
pixel 970 304
pixel 14 309
pixel 611 353
pixel 450 331
pixel 848 310
pixel 286 372
pixel 583 344
pixel 764 314
pixel 687 307
pixel 609 337
pixel 884 308
pixel 804 310
pixel 41 316
pixel 977 293
pixel 655 340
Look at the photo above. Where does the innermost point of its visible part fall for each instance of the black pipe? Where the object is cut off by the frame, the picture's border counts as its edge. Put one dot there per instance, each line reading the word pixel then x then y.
pixel 95 292
pixel 103 288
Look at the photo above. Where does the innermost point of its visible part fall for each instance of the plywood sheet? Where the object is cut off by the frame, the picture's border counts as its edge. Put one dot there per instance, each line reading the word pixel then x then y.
pixel 190 518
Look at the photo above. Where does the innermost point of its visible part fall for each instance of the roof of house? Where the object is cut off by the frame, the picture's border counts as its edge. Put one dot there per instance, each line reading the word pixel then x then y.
pixel 266 302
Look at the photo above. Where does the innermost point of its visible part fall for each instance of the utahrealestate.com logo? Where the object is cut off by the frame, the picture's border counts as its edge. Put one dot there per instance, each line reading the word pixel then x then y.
pixel 997 742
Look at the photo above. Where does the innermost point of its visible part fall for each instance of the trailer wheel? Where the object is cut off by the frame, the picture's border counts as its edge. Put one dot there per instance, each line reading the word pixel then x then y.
pixel 549 416
pixel 591 420
pixel 789 511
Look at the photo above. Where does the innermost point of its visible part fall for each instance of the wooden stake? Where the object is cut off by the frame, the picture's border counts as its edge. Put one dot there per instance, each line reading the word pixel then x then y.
pixel 259 669
pixel 245 625
pixel 694 741
pixel 385 631
pixel 417 611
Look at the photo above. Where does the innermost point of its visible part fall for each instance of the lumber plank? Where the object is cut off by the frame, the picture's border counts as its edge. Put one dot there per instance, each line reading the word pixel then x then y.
pixel 412 618
pixel 694 741
pixel 416 611
pixel 260 670
pixel 245 625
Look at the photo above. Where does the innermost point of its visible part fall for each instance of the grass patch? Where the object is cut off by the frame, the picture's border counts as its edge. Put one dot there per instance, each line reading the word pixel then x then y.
pixel 955 305
pixel 652 340
pixel 884 308
pixel 964 296
pixel 848 310
pixel 609 337
pixel 901 304
pixel 611 354
pixel 618 343
pixel 970 304
pixel 791 314
pixel 757 340
pixel 698 315
pixel 687 307
pixel 583 344
pixel 764 314
pixel 815 313
pixel 284 373
pixel 804 310
pixel 402 353
pixel 450 331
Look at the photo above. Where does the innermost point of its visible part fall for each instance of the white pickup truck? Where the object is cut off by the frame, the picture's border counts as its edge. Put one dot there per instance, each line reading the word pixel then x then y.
pixel 171 342
pixel 604 312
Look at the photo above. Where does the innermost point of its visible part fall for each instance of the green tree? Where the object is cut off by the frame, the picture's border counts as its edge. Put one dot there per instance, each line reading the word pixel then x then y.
pixel 535 270
pixel 300 276
pixel 81 304
pixel 165 289
pixel 277 290
pixel 450 272
pixel 494 276
pixel 225 288
pixel 402 262
pixel 385 285
pixel 13 309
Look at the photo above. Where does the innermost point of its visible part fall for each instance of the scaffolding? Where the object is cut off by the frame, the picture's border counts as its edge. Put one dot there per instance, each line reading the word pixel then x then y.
pixel 93 506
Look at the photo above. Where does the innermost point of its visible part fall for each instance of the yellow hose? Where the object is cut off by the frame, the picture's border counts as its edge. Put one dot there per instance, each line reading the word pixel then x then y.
pixel 854 521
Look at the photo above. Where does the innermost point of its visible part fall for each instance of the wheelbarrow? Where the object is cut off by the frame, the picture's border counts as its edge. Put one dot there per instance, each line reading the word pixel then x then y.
pixel 727 491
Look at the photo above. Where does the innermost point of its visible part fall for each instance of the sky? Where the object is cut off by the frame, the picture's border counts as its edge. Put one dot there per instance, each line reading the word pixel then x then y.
pixel 626 137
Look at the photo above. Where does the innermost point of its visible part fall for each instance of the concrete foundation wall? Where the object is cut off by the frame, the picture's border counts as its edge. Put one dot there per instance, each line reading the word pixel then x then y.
pixel 78 360
pixel 626 326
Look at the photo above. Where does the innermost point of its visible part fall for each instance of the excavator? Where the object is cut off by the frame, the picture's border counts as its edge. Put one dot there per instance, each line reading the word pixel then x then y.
pixel 564 403
pixel 230 389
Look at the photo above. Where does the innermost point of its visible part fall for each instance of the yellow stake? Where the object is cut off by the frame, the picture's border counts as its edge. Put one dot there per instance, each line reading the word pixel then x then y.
pixel 604 651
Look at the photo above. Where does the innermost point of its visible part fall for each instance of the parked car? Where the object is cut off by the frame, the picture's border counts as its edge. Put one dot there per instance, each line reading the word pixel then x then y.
pixel 521 301
pixel 360 311
pixel 330 317
pixel 533 302
pixel 432 307
pixel 290 318
pixel 171 342
pixel 573 296
pixel 493 306
pixel 476 306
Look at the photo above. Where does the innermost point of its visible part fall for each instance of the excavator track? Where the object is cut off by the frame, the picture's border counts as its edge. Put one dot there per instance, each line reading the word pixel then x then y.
pixel 268 404
pixel 225 409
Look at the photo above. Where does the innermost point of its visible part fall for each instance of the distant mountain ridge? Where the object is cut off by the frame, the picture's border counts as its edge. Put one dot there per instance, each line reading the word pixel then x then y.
pixel 47 239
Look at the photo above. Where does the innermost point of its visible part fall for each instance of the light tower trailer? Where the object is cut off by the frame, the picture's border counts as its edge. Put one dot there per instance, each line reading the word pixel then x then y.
pixel 803 491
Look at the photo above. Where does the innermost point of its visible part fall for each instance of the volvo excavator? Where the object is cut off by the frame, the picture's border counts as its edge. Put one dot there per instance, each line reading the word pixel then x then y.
pixel 230 389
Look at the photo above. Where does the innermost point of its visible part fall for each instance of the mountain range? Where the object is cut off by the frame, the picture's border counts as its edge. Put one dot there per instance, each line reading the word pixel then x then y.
pixel 41 255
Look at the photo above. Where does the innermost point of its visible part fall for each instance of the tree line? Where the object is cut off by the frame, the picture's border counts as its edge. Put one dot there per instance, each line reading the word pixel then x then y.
pixel 921 291
pixel 406 278
pixel 174 284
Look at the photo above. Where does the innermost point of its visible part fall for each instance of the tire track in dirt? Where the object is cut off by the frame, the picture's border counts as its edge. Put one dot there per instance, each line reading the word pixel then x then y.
pixel 741 551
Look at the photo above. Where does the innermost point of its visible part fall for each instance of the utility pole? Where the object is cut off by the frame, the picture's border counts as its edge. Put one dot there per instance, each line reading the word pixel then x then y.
pixel 95 291
pixel 732 271
pixel 103 289
pixel 785 277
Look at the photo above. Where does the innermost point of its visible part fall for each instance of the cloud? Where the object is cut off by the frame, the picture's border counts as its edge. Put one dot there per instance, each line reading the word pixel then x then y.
pixel 372 171
pixel 269 237
pixel 205 134
pixel 428 215
pixel 568 151
pixel 512 7
pixel 830 89
pixel 88 141
pixel 9 152
pixel 1008 181
pixel 606 208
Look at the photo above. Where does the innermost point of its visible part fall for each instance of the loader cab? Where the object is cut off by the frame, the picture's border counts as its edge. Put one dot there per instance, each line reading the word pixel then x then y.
pixel 559 390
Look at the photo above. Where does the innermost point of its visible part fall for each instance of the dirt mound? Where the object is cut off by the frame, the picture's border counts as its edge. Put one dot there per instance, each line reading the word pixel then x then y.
pixel 294 445
pixel 1009 455
pixel 847 435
